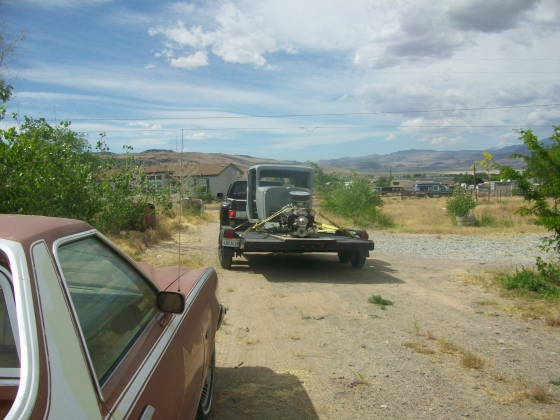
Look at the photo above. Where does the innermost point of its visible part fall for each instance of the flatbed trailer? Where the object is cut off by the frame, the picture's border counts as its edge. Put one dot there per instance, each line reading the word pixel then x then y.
pixel 350 246
pixel 280 217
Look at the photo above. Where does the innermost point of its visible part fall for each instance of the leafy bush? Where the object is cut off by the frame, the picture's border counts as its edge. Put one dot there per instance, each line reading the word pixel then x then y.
pixel 543 198
pixel 52 171
pixel 354 201
pixel 460 203
pixel 543 283
pixel 384 220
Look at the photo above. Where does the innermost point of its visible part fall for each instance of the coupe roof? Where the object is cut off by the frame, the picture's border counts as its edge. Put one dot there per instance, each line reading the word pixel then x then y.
pixel 28 229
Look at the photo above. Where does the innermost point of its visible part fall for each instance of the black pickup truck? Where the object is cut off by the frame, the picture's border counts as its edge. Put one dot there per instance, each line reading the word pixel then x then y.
pixel 276 214
pixel 233 211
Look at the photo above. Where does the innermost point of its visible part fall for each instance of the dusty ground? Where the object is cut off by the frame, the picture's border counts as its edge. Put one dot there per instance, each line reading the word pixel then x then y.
pixel 301 341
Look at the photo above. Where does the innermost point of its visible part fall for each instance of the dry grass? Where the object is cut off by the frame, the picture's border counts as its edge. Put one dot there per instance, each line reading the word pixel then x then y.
pixel 552 321
pixel 519 305
pixel 430 335
pixel 535 393
pixel 428 216
pixel 469 360
pixel 142 246
pixel 418 347
pixel 448 347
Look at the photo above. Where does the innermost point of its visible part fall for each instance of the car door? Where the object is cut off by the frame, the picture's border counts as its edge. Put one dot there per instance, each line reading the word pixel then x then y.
pixel 143 367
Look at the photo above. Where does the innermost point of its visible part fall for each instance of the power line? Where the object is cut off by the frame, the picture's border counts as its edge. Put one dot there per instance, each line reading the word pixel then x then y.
pixel 313 128
pixel 313 115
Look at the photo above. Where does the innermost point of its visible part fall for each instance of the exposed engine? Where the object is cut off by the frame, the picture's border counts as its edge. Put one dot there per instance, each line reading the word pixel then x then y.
pixel 298 218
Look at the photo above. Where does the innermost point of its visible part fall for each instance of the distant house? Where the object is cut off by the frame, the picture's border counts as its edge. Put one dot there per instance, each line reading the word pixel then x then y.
pixel 214 178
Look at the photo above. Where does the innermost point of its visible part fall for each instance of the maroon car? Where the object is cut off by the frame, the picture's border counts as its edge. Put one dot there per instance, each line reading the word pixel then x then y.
pixel 85 332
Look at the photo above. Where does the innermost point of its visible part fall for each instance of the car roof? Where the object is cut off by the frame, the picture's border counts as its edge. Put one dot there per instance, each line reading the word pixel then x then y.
pixel 28 229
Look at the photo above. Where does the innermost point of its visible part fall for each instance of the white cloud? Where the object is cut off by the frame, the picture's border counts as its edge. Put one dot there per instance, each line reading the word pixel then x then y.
pixel 390 137
pixel 198 59
pixel 237 38
pixel 198 136
pixel 443 141
pixel 145 125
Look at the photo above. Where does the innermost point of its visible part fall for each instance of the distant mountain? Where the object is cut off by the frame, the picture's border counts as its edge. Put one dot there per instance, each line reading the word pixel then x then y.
pixel 426 160
pixel 167 157
pixel 404 161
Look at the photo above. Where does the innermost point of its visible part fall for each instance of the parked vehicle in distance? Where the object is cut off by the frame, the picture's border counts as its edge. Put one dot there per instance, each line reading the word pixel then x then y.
pixel 388 190
pixel 88 333
pixel 281 218
pixel 431 190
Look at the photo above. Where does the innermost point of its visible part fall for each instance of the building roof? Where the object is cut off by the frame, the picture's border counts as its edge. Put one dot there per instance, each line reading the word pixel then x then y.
pixel 190 169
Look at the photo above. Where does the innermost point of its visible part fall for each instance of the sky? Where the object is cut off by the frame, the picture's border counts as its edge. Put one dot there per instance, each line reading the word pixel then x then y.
pixel 290 79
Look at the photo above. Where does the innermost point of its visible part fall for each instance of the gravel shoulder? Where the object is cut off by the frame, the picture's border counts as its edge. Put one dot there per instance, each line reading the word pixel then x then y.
pixel 301 341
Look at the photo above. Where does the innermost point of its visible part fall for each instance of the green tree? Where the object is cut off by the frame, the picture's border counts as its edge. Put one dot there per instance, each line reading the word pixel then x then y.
pixel 543 164
pixel 355 201
pixel 322 181
pixel 51 171
pixel 384 181
pixel 8 54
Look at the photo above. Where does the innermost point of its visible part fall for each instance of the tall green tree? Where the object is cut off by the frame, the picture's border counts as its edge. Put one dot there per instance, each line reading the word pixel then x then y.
pixel 543 197
pixel 8 54
pixel 52 171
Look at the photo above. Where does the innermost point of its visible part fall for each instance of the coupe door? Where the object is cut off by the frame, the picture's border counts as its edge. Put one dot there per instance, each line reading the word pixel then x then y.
pixel 144 368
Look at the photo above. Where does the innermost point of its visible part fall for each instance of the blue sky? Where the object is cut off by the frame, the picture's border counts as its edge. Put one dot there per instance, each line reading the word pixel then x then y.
pixel 290 79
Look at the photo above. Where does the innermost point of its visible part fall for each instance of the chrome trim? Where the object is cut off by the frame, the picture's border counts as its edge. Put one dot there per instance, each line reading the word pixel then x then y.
pixel 147 413
pixel 26 397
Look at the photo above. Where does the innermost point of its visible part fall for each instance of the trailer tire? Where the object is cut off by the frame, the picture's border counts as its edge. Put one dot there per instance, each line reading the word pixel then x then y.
pixel 225 261
pixel 357 260
pixel 343 257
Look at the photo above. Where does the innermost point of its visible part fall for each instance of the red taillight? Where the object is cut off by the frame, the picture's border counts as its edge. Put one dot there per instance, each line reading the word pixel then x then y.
pixel 229 234
pixel 231 213
pixel 364 235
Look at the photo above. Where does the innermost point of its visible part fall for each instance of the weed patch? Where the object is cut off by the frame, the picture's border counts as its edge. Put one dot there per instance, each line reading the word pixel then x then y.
pixel 448 347
pixel 538 284
pixel 469 360
pixel 418 347
pixel 378 300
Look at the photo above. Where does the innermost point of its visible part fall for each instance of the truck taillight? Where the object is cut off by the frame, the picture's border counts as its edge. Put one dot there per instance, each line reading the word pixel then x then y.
pixel 231 213
pixel 364 235
pixel 229 234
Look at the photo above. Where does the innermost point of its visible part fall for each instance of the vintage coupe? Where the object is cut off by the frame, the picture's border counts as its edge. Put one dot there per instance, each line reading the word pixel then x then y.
pixel 87 333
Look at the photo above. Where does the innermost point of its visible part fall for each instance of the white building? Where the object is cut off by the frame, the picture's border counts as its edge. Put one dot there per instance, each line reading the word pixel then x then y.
pixel 214 178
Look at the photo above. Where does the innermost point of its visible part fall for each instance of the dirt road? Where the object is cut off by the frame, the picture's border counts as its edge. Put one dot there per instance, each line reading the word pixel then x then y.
pixel 301 341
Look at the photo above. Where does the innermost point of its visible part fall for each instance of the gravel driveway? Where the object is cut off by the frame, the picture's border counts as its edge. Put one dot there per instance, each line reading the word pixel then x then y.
pixel 507 250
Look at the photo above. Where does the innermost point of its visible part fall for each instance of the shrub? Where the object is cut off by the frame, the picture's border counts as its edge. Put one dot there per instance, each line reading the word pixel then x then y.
pixel 354 201
pixel 543 283
pixel 52 171
pixel 460 204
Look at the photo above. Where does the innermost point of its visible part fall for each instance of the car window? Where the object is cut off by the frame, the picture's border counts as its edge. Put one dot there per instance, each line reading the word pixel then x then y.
pixel 9 357
pixel 113 302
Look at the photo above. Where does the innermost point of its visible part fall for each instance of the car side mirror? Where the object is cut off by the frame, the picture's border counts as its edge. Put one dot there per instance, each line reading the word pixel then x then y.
pixel 170 302
pixel 220 195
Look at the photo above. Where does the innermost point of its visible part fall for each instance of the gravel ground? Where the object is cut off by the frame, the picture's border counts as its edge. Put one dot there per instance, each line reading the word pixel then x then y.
pixel 518 250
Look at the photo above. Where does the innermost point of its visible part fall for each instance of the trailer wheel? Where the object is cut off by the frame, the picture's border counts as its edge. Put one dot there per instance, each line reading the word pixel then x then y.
pixel 225 262
pixel 357 260
pixel 343 257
